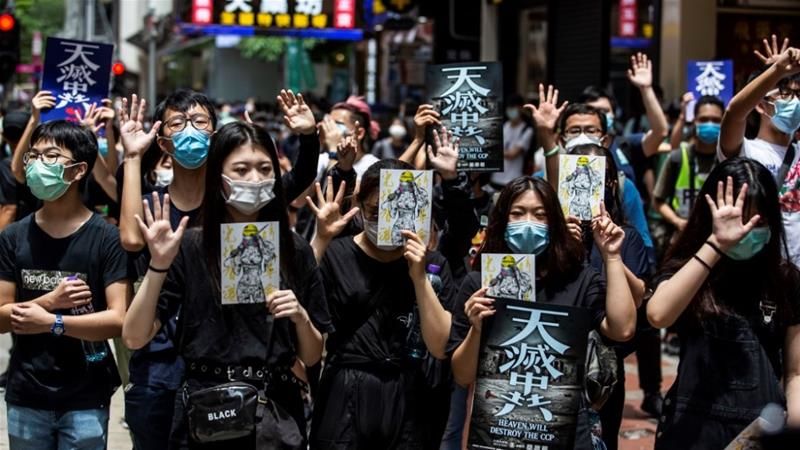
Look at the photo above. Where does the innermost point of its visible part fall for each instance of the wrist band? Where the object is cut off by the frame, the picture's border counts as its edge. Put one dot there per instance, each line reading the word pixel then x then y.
pixel 700 260
pixel 716 249
pixel 157 270
pixel 552 152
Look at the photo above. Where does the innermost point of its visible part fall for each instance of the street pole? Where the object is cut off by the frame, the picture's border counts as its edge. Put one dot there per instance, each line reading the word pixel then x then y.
pixel 151 57
pixel 90 13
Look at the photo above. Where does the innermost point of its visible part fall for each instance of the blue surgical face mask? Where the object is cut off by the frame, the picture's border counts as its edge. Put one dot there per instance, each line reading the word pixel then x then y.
pixel 787 115
pixel 191 147
pixel 708 132
pixel 512 113
pixel 752 243
pixel 609 122
pixel 343 128
pixel 46 181
pixel 527 237
pixel 102 146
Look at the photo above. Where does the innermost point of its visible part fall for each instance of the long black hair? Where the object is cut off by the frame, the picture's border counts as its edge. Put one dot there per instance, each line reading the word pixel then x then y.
pixel 737 287
pixel 563 255
pixel 223 143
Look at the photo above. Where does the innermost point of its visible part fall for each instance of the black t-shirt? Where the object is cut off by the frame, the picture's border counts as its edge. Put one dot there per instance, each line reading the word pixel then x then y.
pixel 16 193
pixel 236 334
pixel 45 371
pixel 370 303
pixel 584 289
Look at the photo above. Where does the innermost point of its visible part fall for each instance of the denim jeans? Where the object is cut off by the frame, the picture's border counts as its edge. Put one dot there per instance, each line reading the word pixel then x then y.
pixel 39 429
pixel 148 412
pixel 455 423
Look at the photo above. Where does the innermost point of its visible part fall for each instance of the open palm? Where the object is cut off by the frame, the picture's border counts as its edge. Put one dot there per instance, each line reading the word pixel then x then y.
pixel 726 214
pixel 548 111
pixel 296 113
pixel 641 71
pixel 135 141
pixel 161 240
pixel 445 160
pixel 330 220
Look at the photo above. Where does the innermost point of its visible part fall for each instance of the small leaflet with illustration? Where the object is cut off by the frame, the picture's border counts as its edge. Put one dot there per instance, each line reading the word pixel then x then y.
pixel 581 182
pixel 508 276
pixel 404 203
pixel 250 261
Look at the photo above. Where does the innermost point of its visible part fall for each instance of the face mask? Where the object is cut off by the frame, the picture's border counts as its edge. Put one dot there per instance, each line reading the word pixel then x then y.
pixel 582 139
pixel 397 131
pixel 787 115
pixel 708 132
pixel 752 243
pixel 610 122
pixel 371 229
pixel 163 177
pixel 343 128
pixel 46 182
pixel 247 197
pixel 527 237
pixel 512 113
pixel 191 147
pixel 102 147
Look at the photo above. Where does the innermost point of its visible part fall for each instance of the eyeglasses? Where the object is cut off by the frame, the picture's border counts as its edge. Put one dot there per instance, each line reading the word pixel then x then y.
pixel 784 93
pixel 577 131
pixel 199 121
pixel 49 157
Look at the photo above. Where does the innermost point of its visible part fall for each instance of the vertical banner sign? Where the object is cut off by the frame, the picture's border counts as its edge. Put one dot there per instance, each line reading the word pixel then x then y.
pixel 628 18
pixel 344 13
pixel 78 74
pixel 469 98
pixel 530 374
pixel 709 78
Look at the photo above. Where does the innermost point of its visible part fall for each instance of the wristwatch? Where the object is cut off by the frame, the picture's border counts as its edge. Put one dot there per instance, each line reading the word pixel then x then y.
pixel 58 327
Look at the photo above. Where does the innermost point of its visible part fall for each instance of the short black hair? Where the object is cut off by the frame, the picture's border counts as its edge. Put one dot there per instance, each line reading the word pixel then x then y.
pixel 782 83
pixel 182 100
pixel 14 124
pixel 75 138
pixel 371 180
pixel 594 93
pixel 709 100
pixel 581 108
pixel 515 100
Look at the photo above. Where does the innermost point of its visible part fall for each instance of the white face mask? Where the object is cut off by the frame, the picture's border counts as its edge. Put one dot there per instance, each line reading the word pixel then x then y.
pixel 371 230
pixel 248 197
pixel 397 131
pixel 581 139
pixel 163 177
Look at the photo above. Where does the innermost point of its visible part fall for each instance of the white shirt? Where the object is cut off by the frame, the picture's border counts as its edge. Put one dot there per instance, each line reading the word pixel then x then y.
pixel 514 136
pixel 771 156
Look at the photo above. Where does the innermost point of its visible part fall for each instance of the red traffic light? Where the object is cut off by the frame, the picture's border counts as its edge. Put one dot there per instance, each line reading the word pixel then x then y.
pixel 118 68
pixel 7 22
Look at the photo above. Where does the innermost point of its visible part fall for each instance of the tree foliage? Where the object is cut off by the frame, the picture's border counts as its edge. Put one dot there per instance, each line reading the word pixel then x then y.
pixel 46 16
pixel 269 48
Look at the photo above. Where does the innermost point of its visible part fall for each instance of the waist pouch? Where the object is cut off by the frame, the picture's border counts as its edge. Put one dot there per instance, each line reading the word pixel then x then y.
pixel 224 412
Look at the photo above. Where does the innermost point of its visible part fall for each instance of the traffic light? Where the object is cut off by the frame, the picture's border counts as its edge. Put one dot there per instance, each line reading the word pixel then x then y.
pixel 118 68
pixel 9 46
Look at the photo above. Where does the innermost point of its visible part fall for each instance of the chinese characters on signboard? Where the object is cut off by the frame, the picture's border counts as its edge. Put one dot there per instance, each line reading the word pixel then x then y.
pixel 628 18
pixel 469 98
pixel 78 74
pixel 529 381
pixel 709 78
pixel 286 14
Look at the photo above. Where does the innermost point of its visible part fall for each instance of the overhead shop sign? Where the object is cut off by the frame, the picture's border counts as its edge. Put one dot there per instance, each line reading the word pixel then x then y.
pixel 322 19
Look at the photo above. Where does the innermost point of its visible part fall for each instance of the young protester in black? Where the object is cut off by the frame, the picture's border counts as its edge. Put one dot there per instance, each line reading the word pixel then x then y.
pixel 64 290
pixel 253 343
pixel 733 297
pixel 562 279
pixel 373 393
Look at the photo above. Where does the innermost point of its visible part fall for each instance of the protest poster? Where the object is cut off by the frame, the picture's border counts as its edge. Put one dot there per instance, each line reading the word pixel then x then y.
pixel 250 261
pixel 709 78
pixel 530 377
pixel 469 97
pixel 78 74
pixel 581 184
pixel 509 276
pixel 404 203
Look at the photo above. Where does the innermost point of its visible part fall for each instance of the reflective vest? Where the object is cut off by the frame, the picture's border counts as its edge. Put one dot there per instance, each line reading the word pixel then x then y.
pixel 685 193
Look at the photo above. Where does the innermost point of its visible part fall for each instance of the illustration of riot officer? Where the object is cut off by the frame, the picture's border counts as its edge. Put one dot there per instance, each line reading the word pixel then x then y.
pixel 580 185
pixel 511 282
pixel 250 259
pixel 405 204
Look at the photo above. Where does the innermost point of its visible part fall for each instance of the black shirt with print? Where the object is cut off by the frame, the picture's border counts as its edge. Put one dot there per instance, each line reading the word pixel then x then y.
pixel 46 371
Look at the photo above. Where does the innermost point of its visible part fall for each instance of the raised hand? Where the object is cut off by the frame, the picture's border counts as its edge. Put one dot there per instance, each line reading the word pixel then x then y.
pixel 608 236
pixel 771 52
pixel 330 133
pixel 727 226
pixel 574 228
pixel 92 119
pixel 446 158
pixel 296 113
pixel 161 240
pixel 42 100
pixel 478 308
pixel 426 116
pixel 685 100
pixel 548 111
pixel 788 61
pixel 641 72
pixel 415 254
pixel 135 141
pixel 348 148
pixel 330 221
pixel 284 304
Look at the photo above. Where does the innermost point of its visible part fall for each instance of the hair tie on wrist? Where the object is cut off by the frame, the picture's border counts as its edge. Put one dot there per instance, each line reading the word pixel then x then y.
pixel 157 270
pixel 716 249
pixel 700 260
